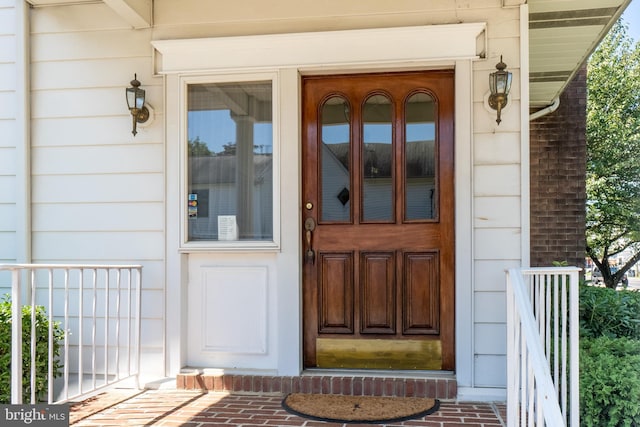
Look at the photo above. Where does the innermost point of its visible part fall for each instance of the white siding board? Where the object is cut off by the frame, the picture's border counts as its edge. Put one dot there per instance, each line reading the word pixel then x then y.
pixel 105 130
pixel 7 21
pixel 98 217
pixel 490 275
pixel 90 45
pixel 151 332
pixel 491 338
pixel 91 102
pixel 7 189
pixel 503 26
pixel 153 305
pixel 8 132
pixel 7 77
pixel 98 188
pixel 238 28
pixel 496 148
pixel 7 49
pixel 196 12
pixel 484 120
pixel 8 161
pixel 152 274
pixel 497 243
pixel 88 74
pixel 497 212
pixel 490 307
pixel 7 246
pixel 94 246
pixel 98 160
pixel 496 180
pixel 8 102
pixel 509 48
pixel 491 371
pixel 7 217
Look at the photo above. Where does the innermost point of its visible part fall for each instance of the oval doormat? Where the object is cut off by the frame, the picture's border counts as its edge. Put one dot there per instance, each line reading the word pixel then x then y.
pixel 358 409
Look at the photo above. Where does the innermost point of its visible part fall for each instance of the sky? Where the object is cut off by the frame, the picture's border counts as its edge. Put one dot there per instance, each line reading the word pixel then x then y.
pixel 631 16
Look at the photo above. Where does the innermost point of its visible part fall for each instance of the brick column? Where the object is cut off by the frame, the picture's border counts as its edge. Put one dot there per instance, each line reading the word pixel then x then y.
pixel 557 173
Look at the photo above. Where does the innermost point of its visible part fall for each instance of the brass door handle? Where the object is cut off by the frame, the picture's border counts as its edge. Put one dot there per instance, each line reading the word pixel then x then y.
pixel 309 226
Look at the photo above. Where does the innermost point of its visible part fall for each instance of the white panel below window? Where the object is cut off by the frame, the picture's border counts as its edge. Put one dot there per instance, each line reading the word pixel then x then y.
pixel 234 309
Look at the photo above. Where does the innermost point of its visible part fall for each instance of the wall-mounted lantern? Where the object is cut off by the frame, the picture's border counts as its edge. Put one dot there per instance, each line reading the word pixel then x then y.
pixel 499 84
pixel 135 102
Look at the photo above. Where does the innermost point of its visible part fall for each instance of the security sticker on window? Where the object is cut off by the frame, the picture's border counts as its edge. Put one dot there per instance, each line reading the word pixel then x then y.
pixel 192 205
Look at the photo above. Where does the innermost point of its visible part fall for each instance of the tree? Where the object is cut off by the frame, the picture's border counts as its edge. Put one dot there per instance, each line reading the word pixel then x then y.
pixel 198 148
pixel 613 153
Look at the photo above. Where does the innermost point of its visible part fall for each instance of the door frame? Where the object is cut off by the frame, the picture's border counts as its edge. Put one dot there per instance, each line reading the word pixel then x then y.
pixel 440 84
pixel 338 52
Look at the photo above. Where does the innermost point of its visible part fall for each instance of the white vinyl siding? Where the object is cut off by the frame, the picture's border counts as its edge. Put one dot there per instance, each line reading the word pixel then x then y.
pixel 8 137
pixel 98 192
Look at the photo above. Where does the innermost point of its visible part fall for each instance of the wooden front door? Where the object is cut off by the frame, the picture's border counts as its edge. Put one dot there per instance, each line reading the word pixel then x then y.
pixel 378 221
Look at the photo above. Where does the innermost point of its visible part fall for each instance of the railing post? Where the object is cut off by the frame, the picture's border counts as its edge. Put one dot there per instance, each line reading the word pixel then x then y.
pixel 574 348
pixel 512 368
pixel 16 338
pixel 138 323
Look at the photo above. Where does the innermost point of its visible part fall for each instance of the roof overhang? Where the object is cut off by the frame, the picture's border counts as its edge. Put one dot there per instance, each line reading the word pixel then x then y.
pixel 137 13
pixel 562 35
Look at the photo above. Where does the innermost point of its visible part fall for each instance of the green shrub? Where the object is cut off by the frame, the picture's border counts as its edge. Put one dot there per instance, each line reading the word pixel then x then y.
pixel 610 313
pixel 42 351
pixel 609 382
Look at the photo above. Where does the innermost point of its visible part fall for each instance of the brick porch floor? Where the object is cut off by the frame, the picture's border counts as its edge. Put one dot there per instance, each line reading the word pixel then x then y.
pixel 127 407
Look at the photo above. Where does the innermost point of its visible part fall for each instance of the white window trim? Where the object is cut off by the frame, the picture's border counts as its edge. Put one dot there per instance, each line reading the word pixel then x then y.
pixel 238 245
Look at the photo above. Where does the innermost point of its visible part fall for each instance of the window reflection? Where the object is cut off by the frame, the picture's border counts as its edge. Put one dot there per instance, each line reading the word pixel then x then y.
pixel 335 160
pixel 377 159
pixel 230 161
pixel 420 161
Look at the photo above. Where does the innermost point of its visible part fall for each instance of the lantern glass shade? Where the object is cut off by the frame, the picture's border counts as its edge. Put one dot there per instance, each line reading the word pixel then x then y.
pixel 500 81
pixel 135 98
pixel 503 82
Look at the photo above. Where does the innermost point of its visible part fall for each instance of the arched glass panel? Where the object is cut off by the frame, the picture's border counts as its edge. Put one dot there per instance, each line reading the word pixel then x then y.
pixel 420 157
pixel 335 160
pixel 377 159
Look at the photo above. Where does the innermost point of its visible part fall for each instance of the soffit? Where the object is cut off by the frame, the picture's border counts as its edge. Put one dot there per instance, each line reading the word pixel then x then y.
pixel 562 35
pixel 137 13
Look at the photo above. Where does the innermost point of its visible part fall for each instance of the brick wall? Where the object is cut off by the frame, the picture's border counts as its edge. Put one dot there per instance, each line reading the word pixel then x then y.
pixel 558 157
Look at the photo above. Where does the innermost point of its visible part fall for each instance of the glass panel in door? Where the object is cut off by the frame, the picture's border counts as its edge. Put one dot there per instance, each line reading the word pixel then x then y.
pixel 335 160
pixel 420 155
pixel 377 159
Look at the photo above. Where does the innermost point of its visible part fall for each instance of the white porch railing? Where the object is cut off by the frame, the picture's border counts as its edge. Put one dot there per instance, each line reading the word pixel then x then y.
pixel 98 309
pixel 542 347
